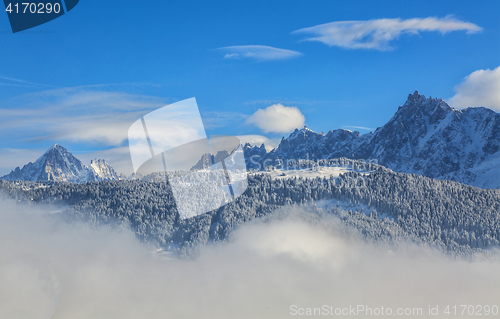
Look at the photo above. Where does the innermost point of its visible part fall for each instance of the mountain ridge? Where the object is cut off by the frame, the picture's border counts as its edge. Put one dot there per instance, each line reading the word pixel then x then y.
pixel 425 136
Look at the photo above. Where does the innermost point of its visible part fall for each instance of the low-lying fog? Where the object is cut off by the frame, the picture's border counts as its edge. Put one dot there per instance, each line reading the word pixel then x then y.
pixel 51 269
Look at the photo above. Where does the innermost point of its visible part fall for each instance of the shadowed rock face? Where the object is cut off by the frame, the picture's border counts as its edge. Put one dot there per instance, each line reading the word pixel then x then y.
pixel 425 136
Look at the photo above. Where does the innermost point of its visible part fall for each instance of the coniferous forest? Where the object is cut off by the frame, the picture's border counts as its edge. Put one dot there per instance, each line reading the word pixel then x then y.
pixel 379 206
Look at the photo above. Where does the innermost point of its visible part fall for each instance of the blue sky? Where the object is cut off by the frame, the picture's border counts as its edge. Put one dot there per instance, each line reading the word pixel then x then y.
pixel 82 79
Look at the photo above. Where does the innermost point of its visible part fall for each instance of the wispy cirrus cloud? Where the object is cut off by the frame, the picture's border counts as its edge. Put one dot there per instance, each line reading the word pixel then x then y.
pixel 8 81
pixel 362 128
pixel 258 53
pixel 378 33
pixel 88 116
pixel 74 115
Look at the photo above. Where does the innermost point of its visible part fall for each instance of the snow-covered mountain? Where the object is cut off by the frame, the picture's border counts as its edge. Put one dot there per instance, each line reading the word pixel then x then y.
pixel 103 171
pixel 425 136
pixel 58 164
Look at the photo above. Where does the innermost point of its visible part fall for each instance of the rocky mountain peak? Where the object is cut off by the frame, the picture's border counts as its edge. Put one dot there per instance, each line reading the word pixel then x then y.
pixel 303 134
pixel 59 165
pixel 431 110
pixel 57 149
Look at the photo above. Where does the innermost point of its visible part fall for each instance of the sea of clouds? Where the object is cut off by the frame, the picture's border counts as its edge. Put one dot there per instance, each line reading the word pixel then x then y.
pixel 53 269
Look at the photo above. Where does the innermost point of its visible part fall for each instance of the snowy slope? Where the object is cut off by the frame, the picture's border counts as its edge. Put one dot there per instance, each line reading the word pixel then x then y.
pixel 310 172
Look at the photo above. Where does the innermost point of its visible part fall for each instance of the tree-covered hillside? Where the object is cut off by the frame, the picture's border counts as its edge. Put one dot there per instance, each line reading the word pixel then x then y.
pixel 381 206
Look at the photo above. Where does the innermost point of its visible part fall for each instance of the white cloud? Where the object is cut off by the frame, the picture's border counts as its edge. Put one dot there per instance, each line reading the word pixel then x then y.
pixel 82 115
pixel 258 52
pixel 75 115
pixel 480 88
pixel 378 33
pixel 277 118
pixel 88 117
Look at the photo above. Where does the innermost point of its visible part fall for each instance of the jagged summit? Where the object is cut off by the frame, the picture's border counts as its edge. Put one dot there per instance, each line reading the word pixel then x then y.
pixel 415 96
pixel 59 165
pixel 305 131
pixel 103 171
pixel 425 136
pixel 57 148
pixel 431 108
